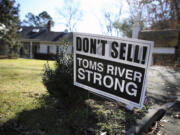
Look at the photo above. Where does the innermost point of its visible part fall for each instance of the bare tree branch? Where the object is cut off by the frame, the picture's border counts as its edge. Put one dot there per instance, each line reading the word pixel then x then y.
pixel 110 18
pixel 70 14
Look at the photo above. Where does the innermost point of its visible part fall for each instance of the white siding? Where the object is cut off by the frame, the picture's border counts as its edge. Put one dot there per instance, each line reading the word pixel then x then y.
pixel 43 48
pixel 52 49
pixel 60 48
pixel 69 50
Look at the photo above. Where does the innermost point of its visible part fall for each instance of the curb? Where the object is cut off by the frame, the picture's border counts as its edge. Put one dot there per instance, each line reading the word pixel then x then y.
pixel 155 114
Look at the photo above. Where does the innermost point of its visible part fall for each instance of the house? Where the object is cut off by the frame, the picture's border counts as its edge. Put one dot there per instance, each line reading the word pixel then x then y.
pixel 166 45
pixel 41 41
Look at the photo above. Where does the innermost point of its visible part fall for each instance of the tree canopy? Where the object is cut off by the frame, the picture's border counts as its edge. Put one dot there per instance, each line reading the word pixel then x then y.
pixel 40 20
pixel 163 13
pixel 156 14
pixel 9 19
pixel 149 14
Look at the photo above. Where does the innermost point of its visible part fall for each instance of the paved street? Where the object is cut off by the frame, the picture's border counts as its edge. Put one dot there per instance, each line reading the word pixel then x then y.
pixel 164 86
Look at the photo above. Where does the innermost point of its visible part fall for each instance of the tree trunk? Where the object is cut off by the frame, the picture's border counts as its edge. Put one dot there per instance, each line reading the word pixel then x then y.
pixel 3 48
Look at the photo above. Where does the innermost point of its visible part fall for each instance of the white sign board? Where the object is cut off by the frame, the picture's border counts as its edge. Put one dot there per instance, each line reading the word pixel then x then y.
pixel 112 67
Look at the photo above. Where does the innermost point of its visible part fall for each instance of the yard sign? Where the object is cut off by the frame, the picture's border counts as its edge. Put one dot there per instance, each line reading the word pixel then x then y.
pixel 112 67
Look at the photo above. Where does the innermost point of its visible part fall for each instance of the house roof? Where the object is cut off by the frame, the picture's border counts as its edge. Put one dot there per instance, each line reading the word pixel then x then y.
pixel 42 34
pixel 161 38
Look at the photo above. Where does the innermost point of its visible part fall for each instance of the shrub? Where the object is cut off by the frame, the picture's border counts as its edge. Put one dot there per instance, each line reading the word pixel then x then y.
pixel 59 81
pixel 45 56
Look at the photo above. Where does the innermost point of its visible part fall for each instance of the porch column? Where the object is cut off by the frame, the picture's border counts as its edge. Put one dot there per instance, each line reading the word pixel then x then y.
pixel 31 55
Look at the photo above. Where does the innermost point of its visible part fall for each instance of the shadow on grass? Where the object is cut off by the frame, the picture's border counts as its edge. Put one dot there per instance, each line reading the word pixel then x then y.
pixel 93 116
pixel 50 119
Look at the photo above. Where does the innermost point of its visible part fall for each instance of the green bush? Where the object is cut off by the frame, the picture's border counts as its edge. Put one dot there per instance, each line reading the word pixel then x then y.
pixel 59 81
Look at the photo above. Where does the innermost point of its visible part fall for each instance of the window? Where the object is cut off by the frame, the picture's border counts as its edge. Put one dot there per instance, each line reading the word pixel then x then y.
pixel 57 49
pixel 48 49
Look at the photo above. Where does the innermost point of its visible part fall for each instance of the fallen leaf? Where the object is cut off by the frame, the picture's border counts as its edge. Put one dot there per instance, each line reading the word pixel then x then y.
pixel 164 120
pixel 160 124
pixel 177 116
pixel 103 133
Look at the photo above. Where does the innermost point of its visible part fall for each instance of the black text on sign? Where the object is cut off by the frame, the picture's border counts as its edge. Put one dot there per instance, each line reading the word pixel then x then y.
pixel 112 67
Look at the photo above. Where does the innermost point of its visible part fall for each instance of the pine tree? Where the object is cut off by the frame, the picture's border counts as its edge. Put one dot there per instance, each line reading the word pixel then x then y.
pixel 10 19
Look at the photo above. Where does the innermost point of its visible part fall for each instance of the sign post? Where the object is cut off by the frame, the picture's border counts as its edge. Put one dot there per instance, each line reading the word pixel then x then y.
pixel 112 67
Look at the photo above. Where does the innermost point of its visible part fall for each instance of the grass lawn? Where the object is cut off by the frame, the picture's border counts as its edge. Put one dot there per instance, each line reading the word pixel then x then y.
pixel 20 86
pixel 26 107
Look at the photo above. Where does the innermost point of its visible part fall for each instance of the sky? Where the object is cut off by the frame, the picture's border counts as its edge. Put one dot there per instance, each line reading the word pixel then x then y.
pixel 92 12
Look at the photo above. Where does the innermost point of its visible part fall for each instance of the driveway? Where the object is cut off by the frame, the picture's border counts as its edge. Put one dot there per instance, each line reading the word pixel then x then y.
pixel 164 86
